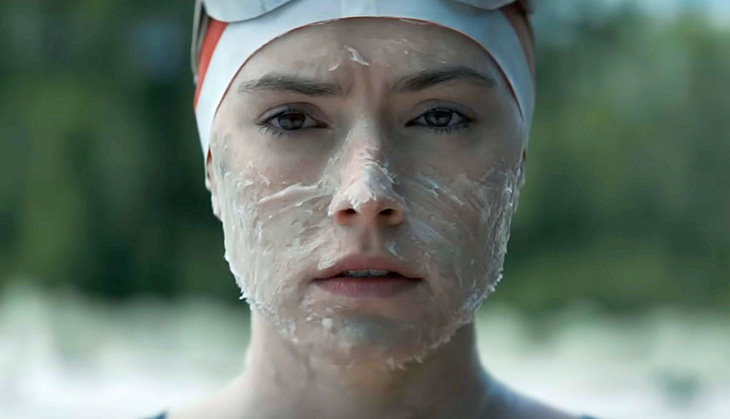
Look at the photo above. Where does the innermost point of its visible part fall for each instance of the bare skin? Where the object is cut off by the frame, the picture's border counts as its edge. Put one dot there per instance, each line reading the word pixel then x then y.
pixel 449 384
pixel 308 375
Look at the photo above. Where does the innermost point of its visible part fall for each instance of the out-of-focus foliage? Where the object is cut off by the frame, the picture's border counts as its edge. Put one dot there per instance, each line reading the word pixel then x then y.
pixel 627 201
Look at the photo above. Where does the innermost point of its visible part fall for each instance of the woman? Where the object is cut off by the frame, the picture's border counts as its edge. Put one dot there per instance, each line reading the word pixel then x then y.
pixel 365 159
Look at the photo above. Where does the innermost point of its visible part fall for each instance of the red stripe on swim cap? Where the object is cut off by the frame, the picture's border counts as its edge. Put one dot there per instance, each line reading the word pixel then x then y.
pixel 520 21
pixel 212 34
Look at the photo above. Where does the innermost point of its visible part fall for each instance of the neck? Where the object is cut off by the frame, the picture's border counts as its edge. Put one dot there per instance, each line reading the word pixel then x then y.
pixel 448 381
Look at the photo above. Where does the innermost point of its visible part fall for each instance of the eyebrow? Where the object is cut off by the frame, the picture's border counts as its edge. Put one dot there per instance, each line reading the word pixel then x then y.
pixel 283 83
pixel 431 77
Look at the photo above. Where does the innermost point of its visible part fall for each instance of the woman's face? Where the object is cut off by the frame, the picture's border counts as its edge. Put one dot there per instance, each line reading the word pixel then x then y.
pixel 367 143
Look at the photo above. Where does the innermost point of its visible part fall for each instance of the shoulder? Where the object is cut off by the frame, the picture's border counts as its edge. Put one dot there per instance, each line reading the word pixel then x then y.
pixel 227 402
pixel 507 403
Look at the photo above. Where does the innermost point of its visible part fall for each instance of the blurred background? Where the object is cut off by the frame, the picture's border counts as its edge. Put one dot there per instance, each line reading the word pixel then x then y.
pixel 115 300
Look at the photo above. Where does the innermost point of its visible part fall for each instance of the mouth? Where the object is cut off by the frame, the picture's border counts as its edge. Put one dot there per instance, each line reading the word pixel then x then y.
pixel 363 277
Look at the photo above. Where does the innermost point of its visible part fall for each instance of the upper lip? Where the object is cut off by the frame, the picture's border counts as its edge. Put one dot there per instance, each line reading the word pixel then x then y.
pixel 360 262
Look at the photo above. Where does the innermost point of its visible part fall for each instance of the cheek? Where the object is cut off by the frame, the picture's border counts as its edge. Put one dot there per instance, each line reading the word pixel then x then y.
pixel 458 206
pixel 271 237
pixel 240 185
pixel 269 195
pixel 276 162
pixel 461 225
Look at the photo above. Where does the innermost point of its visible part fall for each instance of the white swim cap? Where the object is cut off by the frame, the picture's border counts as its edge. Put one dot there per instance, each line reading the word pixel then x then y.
pixel 227 33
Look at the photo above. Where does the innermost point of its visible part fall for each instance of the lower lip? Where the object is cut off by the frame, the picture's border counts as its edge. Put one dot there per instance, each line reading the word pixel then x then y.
pixel 368 286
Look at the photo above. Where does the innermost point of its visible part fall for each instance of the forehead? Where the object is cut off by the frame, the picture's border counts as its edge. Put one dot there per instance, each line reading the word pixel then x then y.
pixel 392 45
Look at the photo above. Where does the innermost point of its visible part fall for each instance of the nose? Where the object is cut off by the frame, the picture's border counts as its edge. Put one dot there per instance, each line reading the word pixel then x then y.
pixel 375 211
pixel 368 198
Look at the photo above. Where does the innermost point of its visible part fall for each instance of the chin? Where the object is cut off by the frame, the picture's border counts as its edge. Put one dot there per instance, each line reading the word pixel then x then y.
pixel 392 343
pixel 388 331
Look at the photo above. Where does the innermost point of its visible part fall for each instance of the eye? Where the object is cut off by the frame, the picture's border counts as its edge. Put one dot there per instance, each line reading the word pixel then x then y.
pixel 293 120
pixel 441 119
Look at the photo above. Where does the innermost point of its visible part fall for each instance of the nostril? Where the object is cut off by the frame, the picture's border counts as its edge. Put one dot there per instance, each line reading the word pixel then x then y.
pixel 392 216
pixel 381 212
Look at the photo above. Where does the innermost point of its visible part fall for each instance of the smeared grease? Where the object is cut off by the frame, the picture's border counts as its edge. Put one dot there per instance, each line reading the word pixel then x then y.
pixel 278 235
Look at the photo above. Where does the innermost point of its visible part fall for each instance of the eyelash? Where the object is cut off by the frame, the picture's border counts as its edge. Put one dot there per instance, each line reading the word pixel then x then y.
pixel 466 123
pixel 265 127
pixel 275 132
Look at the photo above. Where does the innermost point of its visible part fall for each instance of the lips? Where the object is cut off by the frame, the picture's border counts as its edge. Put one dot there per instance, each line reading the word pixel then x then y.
pixel 375 265
pixel 357 276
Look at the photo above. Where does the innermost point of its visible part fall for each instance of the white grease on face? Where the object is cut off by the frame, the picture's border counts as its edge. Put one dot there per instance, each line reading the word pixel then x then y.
pixel 279 229
pixel 372 182
pixel 413 22
pixel 455 229
pixel 355 56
